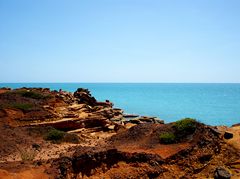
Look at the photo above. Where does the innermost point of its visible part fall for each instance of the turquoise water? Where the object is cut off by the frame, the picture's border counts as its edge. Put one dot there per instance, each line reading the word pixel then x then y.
pixel 214 104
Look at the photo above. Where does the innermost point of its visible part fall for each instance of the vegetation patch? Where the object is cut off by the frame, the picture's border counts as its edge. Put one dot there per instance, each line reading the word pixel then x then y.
pixel 179 130
pixel 27 154
pixel 33 95
pixel 167 138
pixel 28 94
pixel 37 131
pixel 54 135
pixel 185 126
pixel 21 106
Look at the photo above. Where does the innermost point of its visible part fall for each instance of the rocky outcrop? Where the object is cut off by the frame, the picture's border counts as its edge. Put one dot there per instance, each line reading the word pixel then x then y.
pixel 73 124
pixel 130 115
pixel 67 97
pixel 89 162
pixel 59 109
pixel 83 96
pixel 146 119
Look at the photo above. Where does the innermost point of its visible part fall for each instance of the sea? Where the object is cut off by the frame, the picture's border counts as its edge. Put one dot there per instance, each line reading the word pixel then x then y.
pixel 212 104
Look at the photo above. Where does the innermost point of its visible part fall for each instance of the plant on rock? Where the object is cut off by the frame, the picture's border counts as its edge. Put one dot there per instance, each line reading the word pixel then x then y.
pixel 167 138
pixel 185 126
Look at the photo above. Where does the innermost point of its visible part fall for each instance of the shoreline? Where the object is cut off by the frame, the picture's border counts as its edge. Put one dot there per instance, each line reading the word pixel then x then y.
pixel 44 130
pixel 212 105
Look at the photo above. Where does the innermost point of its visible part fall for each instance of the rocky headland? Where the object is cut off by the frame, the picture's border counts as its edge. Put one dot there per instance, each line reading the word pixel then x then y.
pixel 58 134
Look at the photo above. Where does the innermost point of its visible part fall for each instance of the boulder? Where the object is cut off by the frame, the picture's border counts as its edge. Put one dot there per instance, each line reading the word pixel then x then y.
pixel 83 96
pixel 135 121
pixel 221 173
pixel 146 119
pixel 130 115
pixel 158 121
pixel 228 135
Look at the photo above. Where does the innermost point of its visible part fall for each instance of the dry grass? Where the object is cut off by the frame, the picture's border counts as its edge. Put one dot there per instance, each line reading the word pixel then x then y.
pixel 27 154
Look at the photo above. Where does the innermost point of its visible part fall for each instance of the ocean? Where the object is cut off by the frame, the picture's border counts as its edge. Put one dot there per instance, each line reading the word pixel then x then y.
pixel 213 104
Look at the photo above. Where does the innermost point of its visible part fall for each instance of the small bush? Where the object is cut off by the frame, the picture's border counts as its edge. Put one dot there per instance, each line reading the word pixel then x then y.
pixel 185 126
pixel 167 138
pixel 21 106
pixel 54 135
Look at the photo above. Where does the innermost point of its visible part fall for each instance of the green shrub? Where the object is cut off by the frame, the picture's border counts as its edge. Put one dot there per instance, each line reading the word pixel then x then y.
pixel 167 138
pixel 21 106
pixel 185 126
pixel 54 135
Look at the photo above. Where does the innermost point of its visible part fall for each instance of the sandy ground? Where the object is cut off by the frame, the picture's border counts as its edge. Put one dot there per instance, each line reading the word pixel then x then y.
pixel 235 141
pixel 32 173
pixel 49 150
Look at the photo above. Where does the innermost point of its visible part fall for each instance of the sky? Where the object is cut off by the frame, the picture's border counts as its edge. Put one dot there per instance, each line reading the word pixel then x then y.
pixel 120 41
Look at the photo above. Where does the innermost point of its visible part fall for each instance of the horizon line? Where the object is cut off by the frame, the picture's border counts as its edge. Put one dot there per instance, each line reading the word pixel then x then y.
pixel 122 82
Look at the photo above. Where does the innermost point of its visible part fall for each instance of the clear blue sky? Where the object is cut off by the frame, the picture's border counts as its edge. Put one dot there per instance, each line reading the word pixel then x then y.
pixel 120 41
